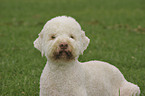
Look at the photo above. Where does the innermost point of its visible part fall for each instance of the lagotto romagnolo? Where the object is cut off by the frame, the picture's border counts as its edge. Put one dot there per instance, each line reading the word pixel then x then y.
pixel 62 41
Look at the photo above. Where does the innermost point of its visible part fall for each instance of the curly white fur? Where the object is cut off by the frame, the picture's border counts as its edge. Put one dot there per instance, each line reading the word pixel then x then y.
pixel 62 41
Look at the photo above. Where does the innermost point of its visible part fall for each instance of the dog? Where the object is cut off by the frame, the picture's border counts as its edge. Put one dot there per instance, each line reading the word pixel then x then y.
pixel 62 41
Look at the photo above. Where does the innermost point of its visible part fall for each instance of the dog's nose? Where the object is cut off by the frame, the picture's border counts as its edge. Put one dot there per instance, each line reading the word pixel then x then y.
pixel 63 45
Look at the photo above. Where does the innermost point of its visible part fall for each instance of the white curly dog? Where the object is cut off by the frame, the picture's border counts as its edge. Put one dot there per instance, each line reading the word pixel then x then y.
pixel 62 41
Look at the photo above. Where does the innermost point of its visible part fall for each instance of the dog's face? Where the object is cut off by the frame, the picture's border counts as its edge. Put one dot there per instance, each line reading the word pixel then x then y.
pixel 61 39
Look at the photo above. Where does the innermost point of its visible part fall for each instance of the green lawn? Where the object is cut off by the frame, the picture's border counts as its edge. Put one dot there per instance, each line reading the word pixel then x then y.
pixel 116 29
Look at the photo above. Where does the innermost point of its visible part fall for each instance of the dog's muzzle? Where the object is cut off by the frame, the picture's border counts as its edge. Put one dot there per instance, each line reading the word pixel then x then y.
pixel 64 52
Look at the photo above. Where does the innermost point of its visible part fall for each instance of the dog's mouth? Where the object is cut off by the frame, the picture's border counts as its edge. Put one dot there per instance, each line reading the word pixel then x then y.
pixel 63 54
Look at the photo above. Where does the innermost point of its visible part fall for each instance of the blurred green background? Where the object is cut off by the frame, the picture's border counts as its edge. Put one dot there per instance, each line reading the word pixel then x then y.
pixel 116 29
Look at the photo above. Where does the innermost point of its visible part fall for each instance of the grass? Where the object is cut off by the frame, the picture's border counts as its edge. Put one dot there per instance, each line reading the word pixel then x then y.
pixel 116 29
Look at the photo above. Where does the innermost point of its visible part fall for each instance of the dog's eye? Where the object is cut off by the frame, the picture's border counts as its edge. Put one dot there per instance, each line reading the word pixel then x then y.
pixel 71 36
pixel 52 37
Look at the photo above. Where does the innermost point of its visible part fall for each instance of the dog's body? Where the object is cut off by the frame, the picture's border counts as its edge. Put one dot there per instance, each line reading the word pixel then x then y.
pixel 62 41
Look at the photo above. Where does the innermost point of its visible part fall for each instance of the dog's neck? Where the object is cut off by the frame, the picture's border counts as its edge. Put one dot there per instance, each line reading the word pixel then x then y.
pixel 62 64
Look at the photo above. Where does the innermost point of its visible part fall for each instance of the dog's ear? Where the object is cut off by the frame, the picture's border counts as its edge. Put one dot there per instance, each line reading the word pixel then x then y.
pixel 85 41
pixel 38 43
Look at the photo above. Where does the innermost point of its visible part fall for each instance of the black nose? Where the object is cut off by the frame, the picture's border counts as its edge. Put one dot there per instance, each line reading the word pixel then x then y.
pixel 63 45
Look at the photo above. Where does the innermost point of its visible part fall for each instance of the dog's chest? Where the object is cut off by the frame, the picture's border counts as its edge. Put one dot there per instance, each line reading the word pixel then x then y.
pixel 61 81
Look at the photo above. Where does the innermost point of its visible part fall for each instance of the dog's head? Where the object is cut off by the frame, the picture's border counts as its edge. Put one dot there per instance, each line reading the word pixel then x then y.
pixel 62 39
